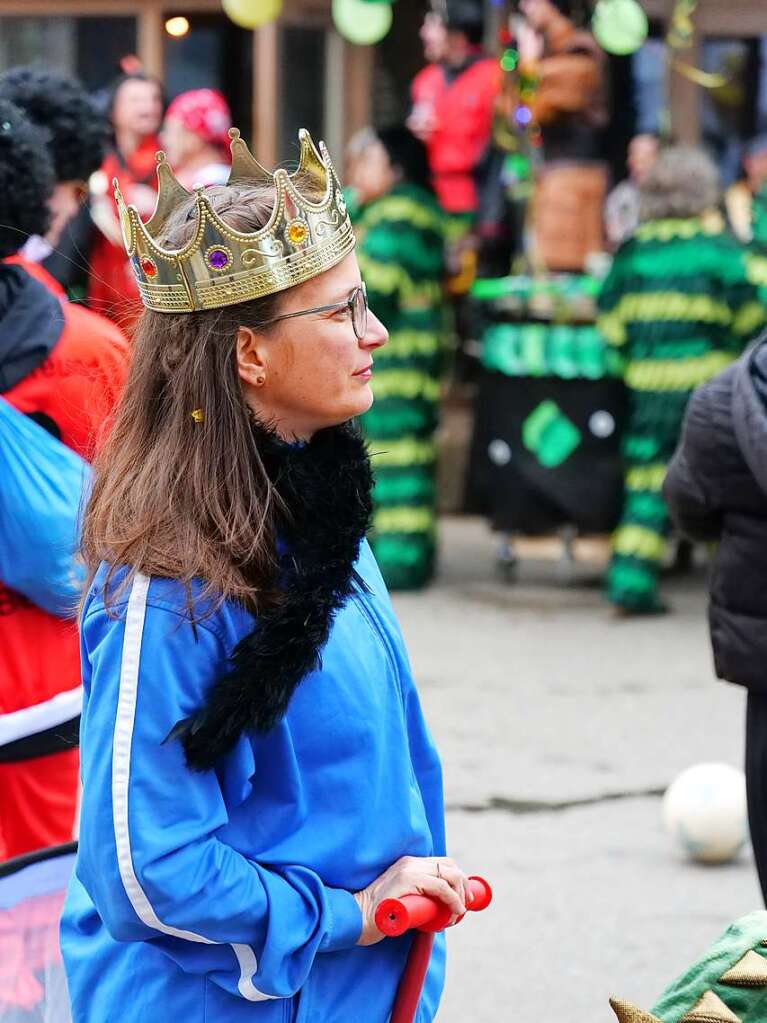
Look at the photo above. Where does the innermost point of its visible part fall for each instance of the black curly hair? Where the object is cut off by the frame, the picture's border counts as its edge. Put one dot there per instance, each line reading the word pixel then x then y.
pixel 466 17
pixel 79 133
pixel 27 178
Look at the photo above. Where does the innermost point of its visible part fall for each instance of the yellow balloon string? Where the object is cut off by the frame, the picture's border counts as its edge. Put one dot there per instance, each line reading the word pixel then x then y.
pixel 681 28
pixel 706 79
pixel 680 36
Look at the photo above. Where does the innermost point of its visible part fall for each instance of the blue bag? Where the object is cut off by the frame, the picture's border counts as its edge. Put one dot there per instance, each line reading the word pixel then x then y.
pixel 33 985
pixel 41 491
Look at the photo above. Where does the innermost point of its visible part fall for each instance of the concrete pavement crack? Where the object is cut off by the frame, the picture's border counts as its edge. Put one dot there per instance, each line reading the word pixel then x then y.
pixel 521 806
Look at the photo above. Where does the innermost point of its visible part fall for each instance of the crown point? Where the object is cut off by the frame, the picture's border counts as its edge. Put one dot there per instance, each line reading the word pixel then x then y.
pixel 115 183
pixel 234 134
pixel 160 156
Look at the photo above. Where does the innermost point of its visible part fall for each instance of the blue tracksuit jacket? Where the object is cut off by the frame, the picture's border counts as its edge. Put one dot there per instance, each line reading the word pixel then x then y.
pixel 225 896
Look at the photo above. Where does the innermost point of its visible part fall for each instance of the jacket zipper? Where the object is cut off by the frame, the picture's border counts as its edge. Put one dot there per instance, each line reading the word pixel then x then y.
pixel 375 624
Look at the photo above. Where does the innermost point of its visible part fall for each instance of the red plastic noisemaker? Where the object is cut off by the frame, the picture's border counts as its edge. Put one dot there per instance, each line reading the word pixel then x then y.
pixel 425 913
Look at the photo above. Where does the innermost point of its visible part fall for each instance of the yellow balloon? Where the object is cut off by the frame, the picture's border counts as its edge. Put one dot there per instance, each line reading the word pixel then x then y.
pixel 252 13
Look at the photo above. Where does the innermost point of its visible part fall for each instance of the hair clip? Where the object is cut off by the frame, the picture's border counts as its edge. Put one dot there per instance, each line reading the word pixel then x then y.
pixel 198 415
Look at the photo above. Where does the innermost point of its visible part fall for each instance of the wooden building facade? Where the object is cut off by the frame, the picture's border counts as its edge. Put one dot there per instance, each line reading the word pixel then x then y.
pixel 299 71
pixel 296 70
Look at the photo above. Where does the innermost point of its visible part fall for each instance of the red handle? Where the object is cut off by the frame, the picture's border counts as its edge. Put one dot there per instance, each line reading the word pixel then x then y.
pixel 411 983
pixel 425 913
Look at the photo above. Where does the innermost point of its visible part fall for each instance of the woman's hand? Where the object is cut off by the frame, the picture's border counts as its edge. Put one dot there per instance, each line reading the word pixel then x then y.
pixel 530 44
pixel 437 876
pixel 423 121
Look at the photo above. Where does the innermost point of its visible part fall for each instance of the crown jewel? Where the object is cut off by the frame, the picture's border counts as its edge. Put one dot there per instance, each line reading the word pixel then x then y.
pixel 220 266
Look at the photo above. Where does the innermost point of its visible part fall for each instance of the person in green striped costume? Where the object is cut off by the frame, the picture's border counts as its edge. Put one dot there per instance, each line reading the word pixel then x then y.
pixel 757 255
pixel 400 248
pixel 678 306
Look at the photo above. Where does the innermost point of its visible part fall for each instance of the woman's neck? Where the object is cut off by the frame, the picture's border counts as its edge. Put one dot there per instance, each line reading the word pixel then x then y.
pixel 288 429
pixel 127 141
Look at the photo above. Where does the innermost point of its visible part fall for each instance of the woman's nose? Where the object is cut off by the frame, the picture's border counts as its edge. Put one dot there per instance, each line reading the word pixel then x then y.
pixel 376 335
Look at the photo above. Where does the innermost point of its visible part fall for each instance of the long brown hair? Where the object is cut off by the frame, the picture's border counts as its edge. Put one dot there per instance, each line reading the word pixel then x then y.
pixel 172 496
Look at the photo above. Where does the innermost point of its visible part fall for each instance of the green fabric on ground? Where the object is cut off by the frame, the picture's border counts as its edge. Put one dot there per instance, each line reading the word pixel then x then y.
pixel 748 1003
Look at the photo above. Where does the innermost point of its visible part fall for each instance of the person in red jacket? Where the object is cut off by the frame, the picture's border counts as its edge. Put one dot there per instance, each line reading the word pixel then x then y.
pixel 63 366
pixel 136 113
pixel 454 99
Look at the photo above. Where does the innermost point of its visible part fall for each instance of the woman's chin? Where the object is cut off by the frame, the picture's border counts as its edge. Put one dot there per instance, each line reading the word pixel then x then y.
pixel 350 410
pixel 362 401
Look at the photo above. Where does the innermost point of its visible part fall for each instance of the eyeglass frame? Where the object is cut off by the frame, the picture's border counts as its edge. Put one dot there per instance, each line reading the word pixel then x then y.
pixel 336 307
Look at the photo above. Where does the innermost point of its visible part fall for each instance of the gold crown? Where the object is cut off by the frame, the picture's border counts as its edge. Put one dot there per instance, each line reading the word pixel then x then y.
pixel 220 266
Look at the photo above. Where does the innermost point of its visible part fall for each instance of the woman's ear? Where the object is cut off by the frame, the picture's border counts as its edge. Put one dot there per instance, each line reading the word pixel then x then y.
pixel 251 362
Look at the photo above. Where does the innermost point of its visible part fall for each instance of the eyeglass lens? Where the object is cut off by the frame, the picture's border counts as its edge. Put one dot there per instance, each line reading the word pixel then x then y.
pixel 360 313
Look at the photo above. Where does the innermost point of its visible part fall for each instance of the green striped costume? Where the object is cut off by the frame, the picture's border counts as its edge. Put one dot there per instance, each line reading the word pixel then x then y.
pixel 678 306
pixel 400 248
pixel 757 256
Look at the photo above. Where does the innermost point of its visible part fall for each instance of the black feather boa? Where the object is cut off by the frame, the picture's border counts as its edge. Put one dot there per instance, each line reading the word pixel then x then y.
pixel 326 486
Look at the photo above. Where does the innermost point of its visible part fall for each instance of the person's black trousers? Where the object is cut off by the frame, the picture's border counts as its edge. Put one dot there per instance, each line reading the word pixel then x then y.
pixel 756 781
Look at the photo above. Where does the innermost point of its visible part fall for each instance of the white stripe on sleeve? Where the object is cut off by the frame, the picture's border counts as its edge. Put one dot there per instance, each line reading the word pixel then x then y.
pixel 121 757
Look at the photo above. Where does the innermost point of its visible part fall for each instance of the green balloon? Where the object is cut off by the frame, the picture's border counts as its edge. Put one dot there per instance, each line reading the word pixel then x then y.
pixel 619 26
pixel 362 22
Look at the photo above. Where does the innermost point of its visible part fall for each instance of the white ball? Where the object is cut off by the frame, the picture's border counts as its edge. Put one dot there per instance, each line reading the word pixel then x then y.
pixel 705 812
pixel 602 424
pixel 499 452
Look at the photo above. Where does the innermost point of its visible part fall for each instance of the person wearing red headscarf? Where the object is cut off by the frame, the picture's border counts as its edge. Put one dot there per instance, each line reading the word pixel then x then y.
pixel 195 137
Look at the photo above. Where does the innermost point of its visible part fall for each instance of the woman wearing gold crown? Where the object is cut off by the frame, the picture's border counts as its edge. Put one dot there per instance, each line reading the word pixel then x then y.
pixel 257 773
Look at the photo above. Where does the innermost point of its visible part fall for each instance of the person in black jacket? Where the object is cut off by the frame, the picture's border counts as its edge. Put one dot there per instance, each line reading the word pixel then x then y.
pixel 716 490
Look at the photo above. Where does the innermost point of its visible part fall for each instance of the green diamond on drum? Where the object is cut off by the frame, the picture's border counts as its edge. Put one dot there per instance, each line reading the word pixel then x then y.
pixel 550 435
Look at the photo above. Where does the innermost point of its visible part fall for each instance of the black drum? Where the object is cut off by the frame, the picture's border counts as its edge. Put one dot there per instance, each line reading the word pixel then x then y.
pixel 550 409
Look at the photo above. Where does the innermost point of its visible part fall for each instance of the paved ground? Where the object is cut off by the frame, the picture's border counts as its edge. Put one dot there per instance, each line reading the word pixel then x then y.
pixel 559 726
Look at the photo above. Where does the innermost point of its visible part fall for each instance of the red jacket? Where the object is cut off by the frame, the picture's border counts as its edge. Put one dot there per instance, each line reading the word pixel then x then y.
pixel 112 288
pixel 463 115
pixel 73 391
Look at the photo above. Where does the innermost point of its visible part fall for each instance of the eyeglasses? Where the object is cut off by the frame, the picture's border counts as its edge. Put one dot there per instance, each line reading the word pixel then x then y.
pixel 356 303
